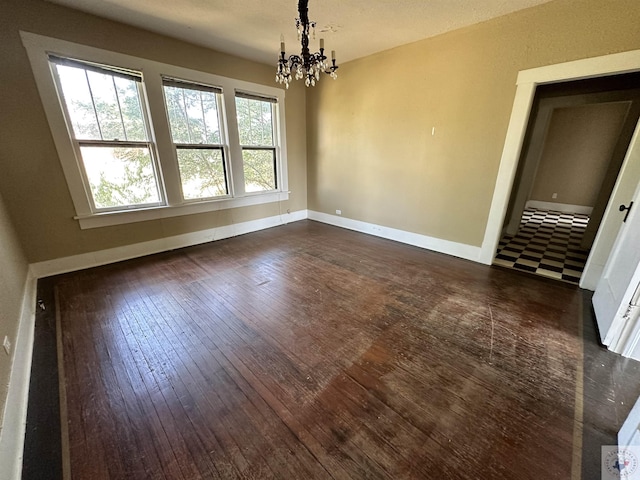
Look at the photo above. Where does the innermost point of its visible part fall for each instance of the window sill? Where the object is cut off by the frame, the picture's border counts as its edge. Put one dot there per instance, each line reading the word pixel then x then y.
pixel 154 213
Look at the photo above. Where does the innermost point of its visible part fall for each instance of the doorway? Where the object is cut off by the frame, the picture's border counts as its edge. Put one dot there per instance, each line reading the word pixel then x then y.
pixel 527 83
pixel 575 143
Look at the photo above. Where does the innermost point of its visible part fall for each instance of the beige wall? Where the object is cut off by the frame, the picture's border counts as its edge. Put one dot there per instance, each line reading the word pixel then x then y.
pixel 368 134
pixel 13 276
pixel 577 152
pixel 370 149
pixel 32 182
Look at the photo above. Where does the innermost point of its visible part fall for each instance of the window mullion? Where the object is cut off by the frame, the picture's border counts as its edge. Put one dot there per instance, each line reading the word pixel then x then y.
pixel 167 158
pixel 280 142
pixel 235 150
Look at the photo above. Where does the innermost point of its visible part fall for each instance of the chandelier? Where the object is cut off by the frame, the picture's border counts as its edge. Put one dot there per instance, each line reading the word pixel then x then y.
pixel 307 65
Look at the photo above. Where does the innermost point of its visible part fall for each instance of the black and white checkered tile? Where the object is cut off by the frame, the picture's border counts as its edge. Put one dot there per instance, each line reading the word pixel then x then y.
pixel 548 244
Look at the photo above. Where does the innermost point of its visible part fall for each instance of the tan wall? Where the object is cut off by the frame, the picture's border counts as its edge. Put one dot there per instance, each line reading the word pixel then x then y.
pixel 32 182
pixel 577 152
pixel 370 148
pixel 13 275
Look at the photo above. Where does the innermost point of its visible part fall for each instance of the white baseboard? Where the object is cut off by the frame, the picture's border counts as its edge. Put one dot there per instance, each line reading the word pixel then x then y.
pixel 117 254
pixel 112 255
pixel 559 207
pixel 461 250
pixel 15 413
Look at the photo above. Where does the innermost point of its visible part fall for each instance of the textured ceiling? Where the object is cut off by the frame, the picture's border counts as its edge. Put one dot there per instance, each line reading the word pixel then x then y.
pixel 252 28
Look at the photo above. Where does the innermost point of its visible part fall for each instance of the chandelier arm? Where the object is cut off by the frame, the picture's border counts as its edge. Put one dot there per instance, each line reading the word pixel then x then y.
pixel 296 61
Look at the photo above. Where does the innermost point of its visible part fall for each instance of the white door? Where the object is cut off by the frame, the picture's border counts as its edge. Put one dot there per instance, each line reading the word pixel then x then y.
pixel 611 223
pixel 618 283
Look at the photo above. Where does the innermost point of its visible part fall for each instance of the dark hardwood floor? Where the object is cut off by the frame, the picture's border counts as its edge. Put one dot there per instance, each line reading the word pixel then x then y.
pixel 309 352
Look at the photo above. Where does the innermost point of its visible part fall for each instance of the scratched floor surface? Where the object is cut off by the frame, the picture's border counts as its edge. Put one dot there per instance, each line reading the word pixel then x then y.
pixel 309 351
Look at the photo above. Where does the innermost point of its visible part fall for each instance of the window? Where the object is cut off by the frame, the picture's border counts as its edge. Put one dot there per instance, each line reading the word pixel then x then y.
pixel 194 119
pixel 257 140
pixel 108 127
pixel 140 140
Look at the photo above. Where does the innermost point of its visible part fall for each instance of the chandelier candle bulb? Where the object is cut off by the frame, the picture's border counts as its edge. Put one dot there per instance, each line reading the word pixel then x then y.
pixel 322 44
pixel 333 54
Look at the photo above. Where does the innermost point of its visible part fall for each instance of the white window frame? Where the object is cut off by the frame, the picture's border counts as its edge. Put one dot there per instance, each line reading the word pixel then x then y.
pixel 274 133
pixel 38 49
pixel 223 145
pixel 78 143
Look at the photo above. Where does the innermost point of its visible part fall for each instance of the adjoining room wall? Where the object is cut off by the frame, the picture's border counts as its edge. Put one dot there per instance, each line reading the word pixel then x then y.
pixel 32 181
pixel 577 152
pixel 411 138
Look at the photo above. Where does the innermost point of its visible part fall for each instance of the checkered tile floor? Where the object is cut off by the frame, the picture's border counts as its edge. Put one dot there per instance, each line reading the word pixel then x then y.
pixel 548 244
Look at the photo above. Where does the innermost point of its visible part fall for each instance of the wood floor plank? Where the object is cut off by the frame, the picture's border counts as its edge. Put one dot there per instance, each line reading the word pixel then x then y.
pixel 308 351
pixel 269 456
pixel 166 385
pixel 265 422
pixel 98 415
pixel 256 461
pixel 264 401
pixel 254 365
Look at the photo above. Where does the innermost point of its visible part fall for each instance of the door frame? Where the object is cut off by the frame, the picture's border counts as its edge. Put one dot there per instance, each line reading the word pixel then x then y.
pixel 527 81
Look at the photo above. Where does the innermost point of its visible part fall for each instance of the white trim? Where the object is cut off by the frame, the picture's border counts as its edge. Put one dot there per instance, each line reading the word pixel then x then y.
pixel 559 207
pixel 461 250
pixel 628 436
pixel 623 62
pixel 507 171
pixel 139 215
pixel 15 413
pixel 117 254
pixel 630 336
pixel 38 47
pixel 526 85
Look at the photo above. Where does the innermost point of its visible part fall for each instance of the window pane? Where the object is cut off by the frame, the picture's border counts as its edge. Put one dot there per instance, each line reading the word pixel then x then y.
pixel 120 177
pixel 201 173
pixel 129 98
pixel 101 106
pixel 193 116
pixel 77 96
pixel 106 103
pixel 259 170
pixel 211 118
pixel 255 122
